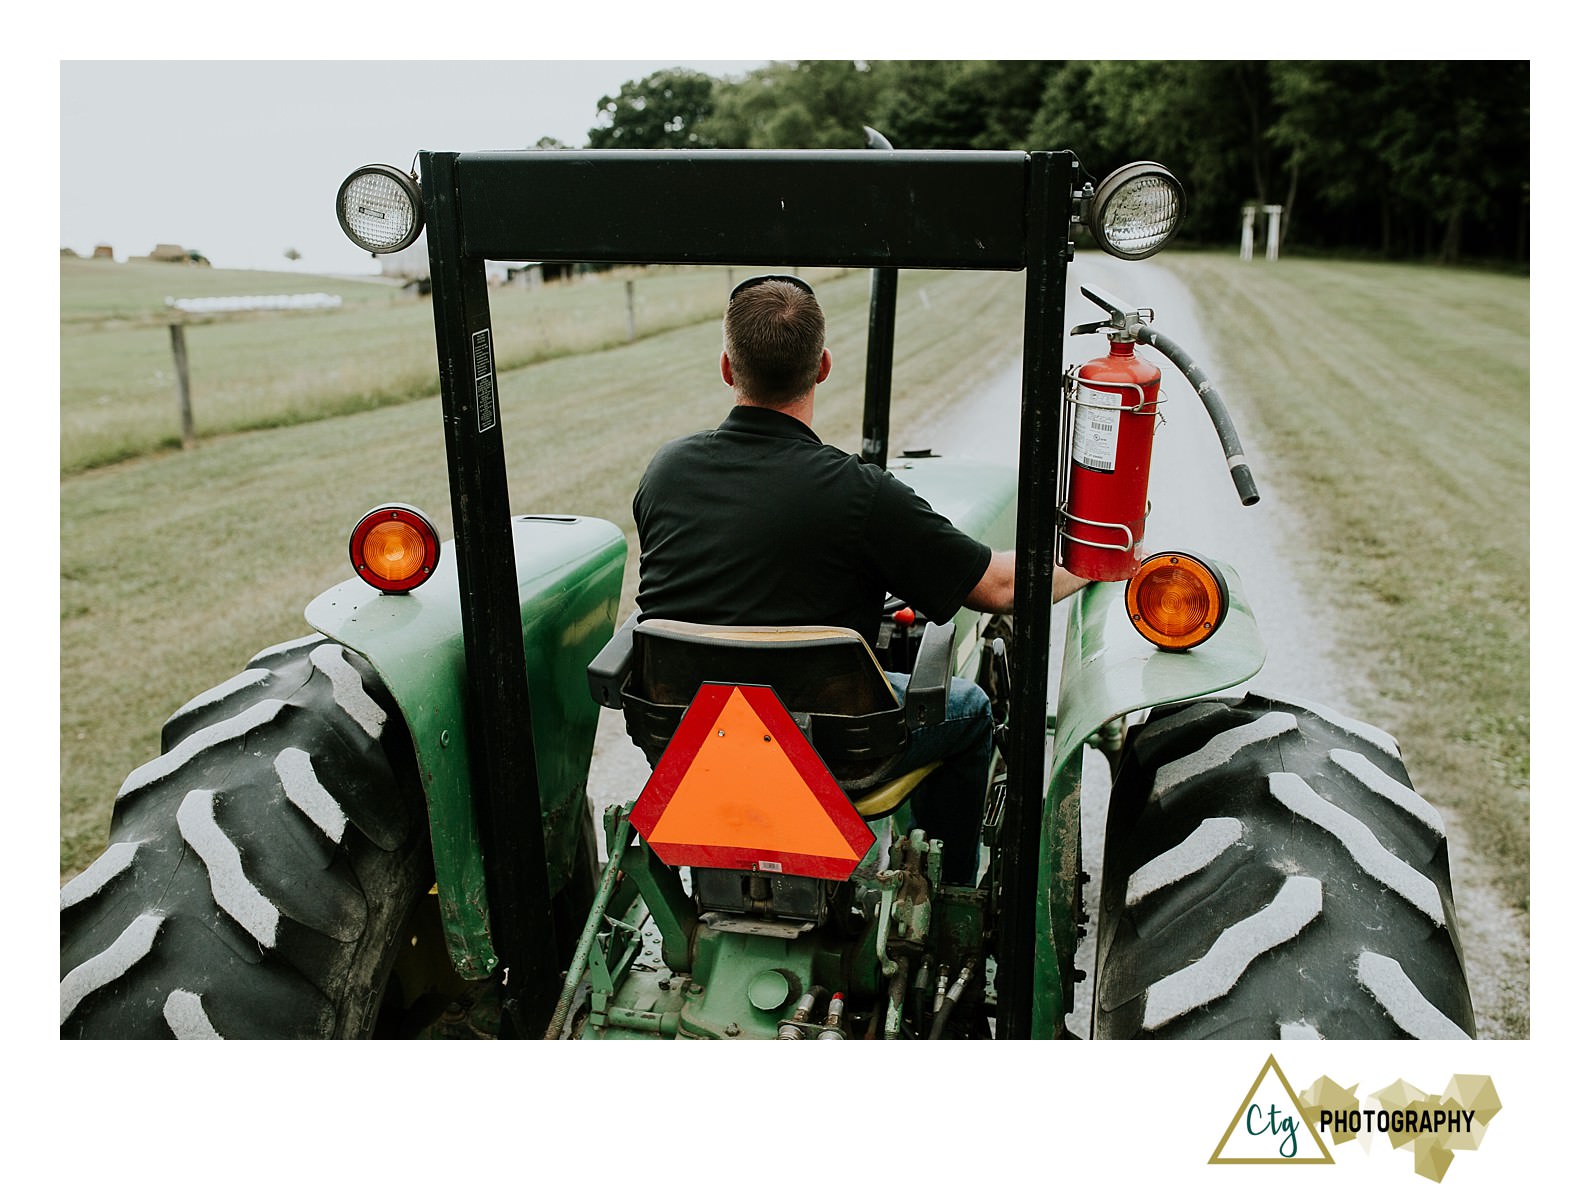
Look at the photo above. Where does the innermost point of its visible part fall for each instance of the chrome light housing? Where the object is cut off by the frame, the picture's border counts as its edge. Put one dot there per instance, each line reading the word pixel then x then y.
pixel 1136 210
pixel 379 209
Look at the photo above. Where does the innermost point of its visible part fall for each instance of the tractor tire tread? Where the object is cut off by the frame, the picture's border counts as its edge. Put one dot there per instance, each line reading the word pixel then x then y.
pixel 259 869
pixel 1270 872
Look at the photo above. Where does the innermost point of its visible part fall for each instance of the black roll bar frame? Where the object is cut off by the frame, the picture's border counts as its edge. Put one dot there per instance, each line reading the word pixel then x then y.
pixel 887 211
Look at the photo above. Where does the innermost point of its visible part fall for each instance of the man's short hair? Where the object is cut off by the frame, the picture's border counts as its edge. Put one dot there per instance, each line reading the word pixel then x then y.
pixel 773 333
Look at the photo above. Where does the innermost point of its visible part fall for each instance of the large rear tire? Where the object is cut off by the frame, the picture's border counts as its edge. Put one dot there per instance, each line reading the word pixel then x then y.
pixel 261 871
pixel 1270 872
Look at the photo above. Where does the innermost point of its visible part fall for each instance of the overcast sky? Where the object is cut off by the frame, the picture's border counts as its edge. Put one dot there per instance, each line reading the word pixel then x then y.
pixel 242 160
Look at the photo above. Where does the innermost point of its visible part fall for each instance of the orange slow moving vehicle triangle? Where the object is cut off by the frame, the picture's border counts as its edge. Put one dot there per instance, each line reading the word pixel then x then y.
pixel 740 787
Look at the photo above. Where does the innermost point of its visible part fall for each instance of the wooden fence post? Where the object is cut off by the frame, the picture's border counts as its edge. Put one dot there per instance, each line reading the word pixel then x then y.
pixel 225 304
pixel 179 351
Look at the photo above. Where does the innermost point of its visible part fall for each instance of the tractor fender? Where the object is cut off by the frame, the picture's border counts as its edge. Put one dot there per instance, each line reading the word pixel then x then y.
pixel 570 570
pixel 1107 670
pixel 979 499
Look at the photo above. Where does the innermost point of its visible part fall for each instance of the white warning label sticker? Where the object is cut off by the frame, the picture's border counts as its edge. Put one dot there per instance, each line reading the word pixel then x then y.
pixel 485 383
pixel 1096 432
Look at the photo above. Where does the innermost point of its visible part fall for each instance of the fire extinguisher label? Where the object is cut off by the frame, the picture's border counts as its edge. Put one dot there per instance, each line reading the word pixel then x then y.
pixel 1096 432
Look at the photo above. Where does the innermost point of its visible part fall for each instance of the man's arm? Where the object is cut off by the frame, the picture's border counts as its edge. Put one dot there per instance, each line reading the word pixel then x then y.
pixel 995 592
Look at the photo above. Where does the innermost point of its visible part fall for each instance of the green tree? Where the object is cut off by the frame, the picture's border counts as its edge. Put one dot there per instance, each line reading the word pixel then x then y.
pixel 1457 143
pixel 1206 121
pixel 1075 113
pixel 1422 158
pixel 961 105
pixel 663 111
pixel 1409 157
pixel 1326 113
pixel 809 105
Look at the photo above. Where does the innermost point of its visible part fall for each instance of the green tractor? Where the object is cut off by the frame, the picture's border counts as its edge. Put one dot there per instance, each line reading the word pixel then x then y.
pixel 383 828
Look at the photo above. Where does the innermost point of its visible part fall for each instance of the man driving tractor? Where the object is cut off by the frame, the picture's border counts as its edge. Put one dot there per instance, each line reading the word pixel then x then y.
pixel 758 522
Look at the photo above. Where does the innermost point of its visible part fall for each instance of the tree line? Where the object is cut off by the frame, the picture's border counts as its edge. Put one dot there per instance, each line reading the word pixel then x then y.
pixel 1401 159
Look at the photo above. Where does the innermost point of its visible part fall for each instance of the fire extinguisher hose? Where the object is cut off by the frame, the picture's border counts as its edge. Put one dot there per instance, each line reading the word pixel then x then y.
pixel 1241 474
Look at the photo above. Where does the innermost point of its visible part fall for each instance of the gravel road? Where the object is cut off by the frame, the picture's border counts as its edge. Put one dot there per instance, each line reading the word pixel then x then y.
pixel 1194 505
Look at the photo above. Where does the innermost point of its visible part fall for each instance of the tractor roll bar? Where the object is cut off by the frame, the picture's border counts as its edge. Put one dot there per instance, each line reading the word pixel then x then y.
pixel 880 349
pixel 975 210
pixel 841 208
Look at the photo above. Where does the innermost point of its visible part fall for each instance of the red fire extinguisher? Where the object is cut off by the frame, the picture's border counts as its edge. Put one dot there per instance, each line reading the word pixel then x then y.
pixel 1115 408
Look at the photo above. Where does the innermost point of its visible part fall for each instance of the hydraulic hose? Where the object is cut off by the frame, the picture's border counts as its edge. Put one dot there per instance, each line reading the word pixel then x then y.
pixel 943 1017
pixel 831 1031
pixel 1236 460
pixel 794 1029
pixel 582 952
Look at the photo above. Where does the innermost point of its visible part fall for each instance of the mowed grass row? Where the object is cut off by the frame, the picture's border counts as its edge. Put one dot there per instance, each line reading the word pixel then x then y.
pixel 176 568
pixel 248 371
pixel 1395 401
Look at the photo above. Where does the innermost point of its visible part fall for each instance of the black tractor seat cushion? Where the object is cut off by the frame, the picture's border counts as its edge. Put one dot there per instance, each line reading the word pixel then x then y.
pixel 826 674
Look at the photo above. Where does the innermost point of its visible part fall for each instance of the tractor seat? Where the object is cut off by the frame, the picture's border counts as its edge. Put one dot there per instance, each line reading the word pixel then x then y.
pixel 827 677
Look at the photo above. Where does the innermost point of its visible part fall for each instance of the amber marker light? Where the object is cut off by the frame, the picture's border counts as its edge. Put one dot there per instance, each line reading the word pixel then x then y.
pixel 394 548
pixel 1176 601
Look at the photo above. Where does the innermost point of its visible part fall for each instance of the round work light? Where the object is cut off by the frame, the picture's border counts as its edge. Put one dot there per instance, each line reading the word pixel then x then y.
pixel 379 209
pixel 1136 210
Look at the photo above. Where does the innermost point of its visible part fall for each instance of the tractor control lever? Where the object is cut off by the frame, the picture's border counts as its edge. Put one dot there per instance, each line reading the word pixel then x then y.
pixel 1132 324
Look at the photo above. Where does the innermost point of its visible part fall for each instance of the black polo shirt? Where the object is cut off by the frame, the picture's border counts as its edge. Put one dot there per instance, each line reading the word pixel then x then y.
pixel 757 522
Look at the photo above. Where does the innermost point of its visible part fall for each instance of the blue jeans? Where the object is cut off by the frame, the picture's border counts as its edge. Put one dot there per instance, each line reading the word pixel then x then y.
pixel 948 804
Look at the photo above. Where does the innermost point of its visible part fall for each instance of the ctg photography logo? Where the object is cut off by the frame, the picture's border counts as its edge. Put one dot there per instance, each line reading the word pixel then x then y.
pixel 1270 1126
pixel 1276 1125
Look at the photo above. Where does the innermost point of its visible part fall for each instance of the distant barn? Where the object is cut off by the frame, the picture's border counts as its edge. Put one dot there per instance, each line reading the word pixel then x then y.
pixel 167 252
pixel 413 266
pixel 410 264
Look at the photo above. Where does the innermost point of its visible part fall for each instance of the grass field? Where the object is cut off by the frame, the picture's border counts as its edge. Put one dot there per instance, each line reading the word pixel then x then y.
pixel 252 371
pixel 1398 407
pixel 1398 390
